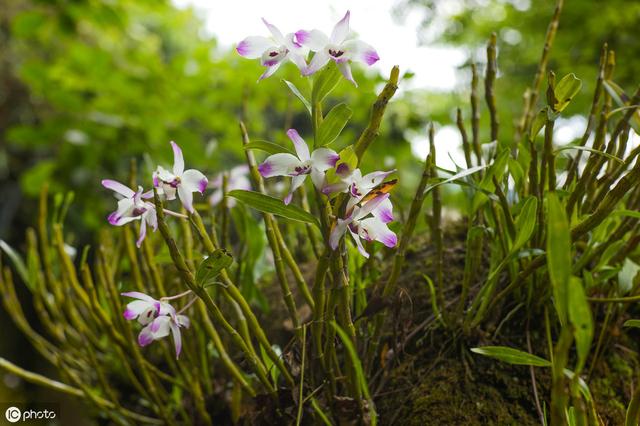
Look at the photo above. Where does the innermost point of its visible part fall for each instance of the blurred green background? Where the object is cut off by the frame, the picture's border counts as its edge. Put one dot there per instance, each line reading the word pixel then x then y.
pixel 87 86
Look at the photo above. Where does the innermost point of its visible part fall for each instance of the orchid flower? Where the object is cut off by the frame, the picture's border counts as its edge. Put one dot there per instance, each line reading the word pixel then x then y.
pixel 132 207
pixel 337 48
pixel 273 51
pixel 238 179
pixel 161 326
pixel 300 165
pixel 358 186
pixel 145 308
pixel 362 226
pixel 182 181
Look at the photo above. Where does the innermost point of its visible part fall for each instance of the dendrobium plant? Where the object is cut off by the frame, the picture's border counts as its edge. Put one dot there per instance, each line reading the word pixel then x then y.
pixel 184 182
pixel 132 207
pixel 338 48
pixel 238 179
pixel 300 165
pixel 273 51
pixel 363 224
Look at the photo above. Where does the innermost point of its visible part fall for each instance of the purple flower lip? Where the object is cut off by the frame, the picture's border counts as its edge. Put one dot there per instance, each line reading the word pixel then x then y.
pixel 202 185
pixel 302 36
pixel 371 57
pixel 265 169
pixel 386 216
pixel 390 241
pixel 144 339
pixel 242 48
pixel 113 218
pixel 129 314
pixel 343 169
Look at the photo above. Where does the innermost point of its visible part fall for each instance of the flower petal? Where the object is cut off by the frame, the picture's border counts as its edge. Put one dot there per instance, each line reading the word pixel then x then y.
pixel 379 231
pixel 341 30
pixel 118 187
pixel 143 233
pixel 318 61
pixel 296 182
pixel 253 47
pixel 345 69
pixel 160 327
pixel 275 32
pixel 148 314
pixel 299 144
pixel 360 51
pixel 358 242
pixel 337 232
pixel 317 177
pixel 369 206
pixel 324 158
pixel 177 337
pixel 280 164
pixel 384 211
pixel 298 60
pixel 135 308
pixel 146 336
pixel 270 70
pixel 186 198
pixel 334 187
pixel 183 321
pixel 194 180
pixel 140 296
pixel 315 40
pixel 178 159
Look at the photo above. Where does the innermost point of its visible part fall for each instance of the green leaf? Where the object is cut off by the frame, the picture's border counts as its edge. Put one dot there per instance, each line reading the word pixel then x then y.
pixel 632 323
pixel 17 261
pixel 456 177
pixel 565 90
pixel 627 275
pixel 357 365
pixel 210 268
pixel 333 124
pixel 266 146
pixel 622 100
pixel 558 254
pixel 269 204
pixel 299 95
pixel 538 123
pixel 512 356
pixel 525 223
pixel 325 81
pixel 595 151
pixel 580 317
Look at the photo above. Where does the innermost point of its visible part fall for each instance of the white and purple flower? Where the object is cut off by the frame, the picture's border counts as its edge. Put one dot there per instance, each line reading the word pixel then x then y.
pixel 363 224
pixel 273 51
pixel 238 179
pixel 145 309
pixel 161 326
pixel 358 187
pixel 131 206
pixel 300 165
pixel 337 48
pixel 184 182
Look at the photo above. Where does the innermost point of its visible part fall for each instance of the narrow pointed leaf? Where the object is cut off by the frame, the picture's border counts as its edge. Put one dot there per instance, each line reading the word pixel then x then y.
pixel 558 254
pixel 269 204
pixel 511 356
pixel 333 124
pixel 266 146
pixel 298 95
